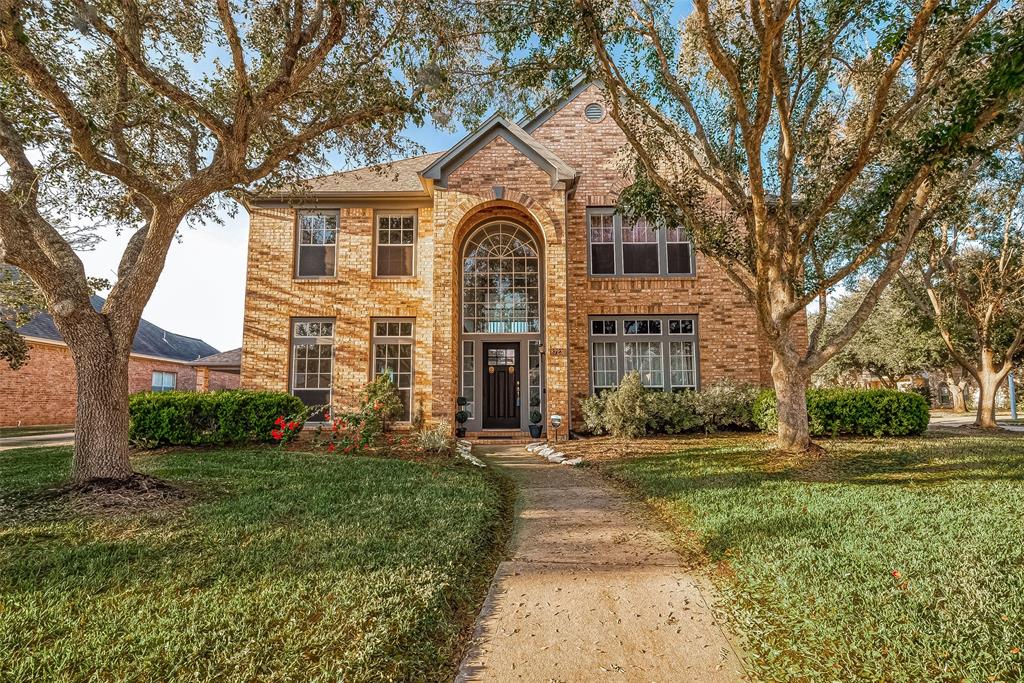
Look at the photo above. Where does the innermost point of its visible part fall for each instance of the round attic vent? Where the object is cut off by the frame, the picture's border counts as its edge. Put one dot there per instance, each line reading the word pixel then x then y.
pixel 594 112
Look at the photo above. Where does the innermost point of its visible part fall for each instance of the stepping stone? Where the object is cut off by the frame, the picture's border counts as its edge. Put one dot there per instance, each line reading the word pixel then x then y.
pixel 573 462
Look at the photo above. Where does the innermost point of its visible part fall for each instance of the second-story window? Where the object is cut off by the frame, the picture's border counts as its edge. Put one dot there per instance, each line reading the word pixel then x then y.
pixel 635 249
pixel 396 239
pixel 317 244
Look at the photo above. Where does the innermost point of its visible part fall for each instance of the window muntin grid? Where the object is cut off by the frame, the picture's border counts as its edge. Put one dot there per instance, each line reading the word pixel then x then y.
pixel 312 366
pixel 501 281
pixel 535 376
pixel 316 251
pixel 469 375
pixel 605 364
pixel 396 237
pixel 392 356
pixel 644 358
pixel 682 365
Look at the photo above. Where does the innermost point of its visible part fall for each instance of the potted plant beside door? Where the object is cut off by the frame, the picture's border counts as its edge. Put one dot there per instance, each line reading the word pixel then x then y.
pixel 536 418
pixel 461 416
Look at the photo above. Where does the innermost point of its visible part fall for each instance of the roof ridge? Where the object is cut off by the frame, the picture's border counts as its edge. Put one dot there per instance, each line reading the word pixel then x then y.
pixel 372 166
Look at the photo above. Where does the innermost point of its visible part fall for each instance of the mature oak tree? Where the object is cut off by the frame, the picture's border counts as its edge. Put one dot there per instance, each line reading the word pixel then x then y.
pixel 966 274
pixel 797 140
pixel 892 343
pixel 148 114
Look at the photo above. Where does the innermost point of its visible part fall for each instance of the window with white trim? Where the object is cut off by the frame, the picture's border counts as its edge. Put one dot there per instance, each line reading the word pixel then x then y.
pixel 662 349
pixel 635 249
pixel 312 363
pixel 164 381
pixel 396 240
pixel 316 247
pixel 392 355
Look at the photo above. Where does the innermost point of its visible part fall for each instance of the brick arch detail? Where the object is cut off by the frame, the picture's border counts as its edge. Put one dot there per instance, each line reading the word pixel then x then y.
pixel 471 210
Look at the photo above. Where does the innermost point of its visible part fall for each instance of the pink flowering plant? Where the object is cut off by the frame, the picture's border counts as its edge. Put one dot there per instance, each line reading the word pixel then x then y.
pixel 364 429
pixel 286 429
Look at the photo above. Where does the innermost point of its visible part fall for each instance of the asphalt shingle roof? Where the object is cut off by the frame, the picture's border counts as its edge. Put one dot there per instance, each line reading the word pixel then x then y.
pixel 150 340
pixel 398 176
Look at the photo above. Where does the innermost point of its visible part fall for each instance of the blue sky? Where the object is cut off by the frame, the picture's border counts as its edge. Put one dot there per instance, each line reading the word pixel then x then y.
pixel 201 292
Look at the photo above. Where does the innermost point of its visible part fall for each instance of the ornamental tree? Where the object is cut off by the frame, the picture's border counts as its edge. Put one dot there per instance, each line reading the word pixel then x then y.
pixel 892 343
pixel 797 141
pixel 150 115
pixel 966 274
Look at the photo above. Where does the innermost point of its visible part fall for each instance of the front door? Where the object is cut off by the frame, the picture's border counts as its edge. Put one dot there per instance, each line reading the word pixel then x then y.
pixel 501 385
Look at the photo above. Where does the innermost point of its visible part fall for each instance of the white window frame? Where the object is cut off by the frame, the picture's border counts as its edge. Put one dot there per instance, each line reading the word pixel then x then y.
pixel 377 244
pixel 163 375
pixel 398 339
pixel 325 213
pixel 317 340
pixel 662 242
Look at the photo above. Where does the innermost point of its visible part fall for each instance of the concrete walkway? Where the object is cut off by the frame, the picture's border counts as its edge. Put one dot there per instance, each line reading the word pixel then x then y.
pixel 30 440
pixel 966 420
pixel 591 591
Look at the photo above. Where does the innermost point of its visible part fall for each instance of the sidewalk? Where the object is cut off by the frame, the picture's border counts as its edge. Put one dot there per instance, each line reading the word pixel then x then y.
pixel 61 439
pixel 590 592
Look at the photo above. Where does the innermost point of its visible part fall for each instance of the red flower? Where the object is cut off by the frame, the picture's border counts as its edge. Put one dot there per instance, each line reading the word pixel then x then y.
pixel 279 421
pixel 348 449
pixel 292 426
pixel 896 574
pixel 377 405
pixel 327 416
pixel 331 448
pixel 277 434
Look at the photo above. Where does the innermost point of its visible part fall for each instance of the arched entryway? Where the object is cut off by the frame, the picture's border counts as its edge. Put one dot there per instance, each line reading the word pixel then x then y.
pixel 501 325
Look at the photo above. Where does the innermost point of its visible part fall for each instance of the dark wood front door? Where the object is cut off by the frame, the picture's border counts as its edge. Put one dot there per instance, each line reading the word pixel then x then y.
pixel 501 385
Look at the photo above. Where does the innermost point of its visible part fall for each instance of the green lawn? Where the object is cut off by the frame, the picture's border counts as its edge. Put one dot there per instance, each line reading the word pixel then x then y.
pixel 286 567
pixel 887 561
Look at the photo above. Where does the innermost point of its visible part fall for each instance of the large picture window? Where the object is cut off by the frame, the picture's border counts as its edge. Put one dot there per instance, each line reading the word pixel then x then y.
pixel 316 244
pixel 396 239
pixel 392 356
pixel 164 381
pixel 662 349
pixel 501 281
pixel 636 249
pixel 312 362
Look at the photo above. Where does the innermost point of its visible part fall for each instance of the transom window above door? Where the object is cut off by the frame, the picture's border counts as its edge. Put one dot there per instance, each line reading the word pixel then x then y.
pixel 635 249
pixel 501 281
pixel 396 240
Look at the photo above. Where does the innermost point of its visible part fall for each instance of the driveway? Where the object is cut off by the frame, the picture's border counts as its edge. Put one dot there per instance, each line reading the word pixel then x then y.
pixel 953 421
pixel 591 591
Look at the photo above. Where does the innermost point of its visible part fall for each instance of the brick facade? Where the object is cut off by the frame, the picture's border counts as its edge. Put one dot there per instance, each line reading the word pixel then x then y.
pixel 497 181
pixel 42 391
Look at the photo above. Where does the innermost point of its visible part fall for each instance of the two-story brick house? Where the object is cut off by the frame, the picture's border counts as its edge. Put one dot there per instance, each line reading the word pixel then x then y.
pixel 496 270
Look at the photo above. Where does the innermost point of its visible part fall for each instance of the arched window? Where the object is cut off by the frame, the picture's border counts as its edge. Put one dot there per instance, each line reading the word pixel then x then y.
pixel 501 281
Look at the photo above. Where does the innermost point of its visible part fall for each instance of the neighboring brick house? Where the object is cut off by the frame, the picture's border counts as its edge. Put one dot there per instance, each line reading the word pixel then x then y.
pixel 43 392
pixel 497 270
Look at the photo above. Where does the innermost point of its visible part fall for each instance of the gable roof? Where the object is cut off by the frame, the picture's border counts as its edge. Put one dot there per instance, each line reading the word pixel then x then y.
pixel 150 340
pixel 494 127
pixel 533 122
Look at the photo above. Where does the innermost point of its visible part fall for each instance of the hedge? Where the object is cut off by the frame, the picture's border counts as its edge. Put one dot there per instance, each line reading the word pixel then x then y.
pixel 183 418
pixel 860 412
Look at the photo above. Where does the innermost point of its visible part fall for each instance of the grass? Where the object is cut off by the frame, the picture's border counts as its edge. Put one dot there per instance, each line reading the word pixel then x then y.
pixel 286 567
pixel 35 430
pixel 898 560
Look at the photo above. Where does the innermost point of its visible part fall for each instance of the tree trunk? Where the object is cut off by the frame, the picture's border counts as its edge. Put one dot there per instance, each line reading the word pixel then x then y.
pixel 956 394
pixel 101 418
pixel 989 380
pixel 791 399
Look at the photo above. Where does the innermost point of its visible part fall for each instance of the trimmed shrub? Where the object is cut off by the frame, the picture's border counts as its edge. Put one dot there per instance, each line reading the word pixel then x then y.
pixel 632 411
pixel 858 412
pixel 185 418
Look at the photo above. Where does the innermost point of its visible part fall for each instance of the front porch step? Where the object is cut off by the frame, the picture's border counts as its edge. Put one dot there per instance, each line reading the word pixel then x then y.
pixel 500 436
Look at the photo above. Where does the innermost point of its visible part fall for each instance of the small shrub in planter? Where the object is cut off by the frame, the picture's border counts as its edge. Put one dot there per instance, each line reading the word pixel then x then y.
pixel 858 412
pixel 184 418
pixel 461 417
pixel 535 425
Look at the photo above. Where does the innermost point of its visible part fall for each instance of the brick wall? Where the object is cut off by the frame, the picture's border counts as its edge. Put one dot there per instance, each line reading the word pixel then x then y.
pixel 42 391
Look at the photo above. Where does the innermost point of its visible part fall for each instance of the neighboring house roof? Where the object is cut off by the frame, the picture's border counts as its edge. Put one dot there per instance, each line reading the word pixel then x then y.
pixel 495 127
pixel 397 177
pixel 150 340
pixel 228 359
